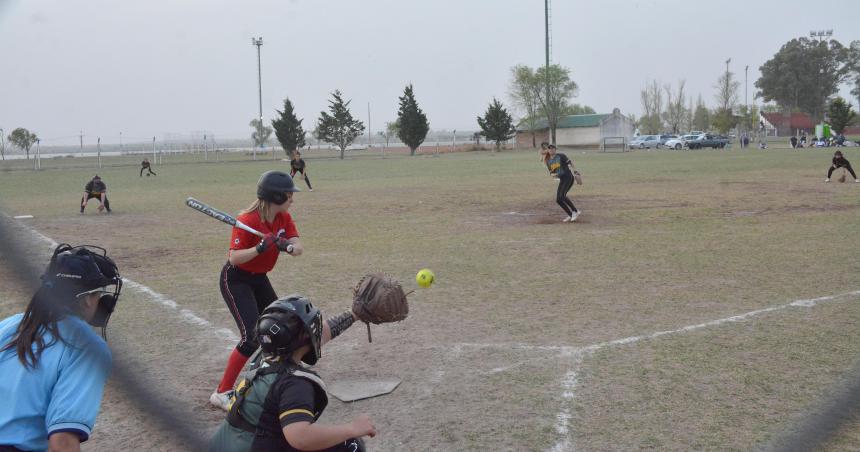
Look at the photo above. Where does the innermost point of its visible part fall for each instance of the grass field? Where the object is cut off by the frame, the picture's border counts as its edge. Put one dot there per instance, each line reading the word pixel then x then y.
pixel 508 350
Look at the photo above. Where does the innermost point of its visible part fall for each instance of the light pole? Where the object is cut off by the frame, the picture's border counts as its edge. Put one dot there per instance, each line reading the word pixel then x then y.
pixel 546 29
pixel 820 34
pixel 120 143
pixel 258 42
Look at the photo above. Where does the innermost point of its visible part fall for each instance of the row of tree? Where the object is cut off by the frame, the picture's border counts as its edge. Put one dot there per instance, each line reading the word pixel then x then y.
pixel 338 127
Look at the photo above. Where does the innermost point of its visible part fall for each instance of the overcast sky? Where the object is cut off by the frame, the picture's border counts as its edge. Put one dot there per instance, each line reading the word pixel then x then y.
pixel 146 68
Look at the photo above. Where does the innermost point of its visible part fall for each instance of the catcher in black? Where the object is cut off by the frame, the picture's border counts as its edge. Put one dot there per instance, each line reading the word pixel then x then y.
pixel 97 189
pixel 277 408
pixel 839 161
pixel 562 167
pixel 144 165
pixel 297 165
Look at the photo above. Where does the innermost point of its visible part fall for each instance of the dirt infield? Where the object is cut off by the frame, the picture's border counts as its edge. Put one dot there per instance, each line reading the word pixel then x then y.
pixel 491 357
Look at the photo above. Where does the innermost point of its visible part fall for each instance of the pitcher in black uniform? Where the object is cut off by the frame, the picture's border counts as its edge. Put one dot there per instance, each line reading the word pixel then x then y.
pixel 97 189
pixel 297 165
pixel 277 408
pixel 562 167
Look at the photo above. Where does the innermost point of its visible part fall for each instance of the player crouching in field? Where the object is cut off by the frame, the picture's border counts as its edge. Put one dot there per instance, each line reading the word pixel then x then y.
pixel 276 409
pixel 840 162
pixel 97 189
pixel 53 365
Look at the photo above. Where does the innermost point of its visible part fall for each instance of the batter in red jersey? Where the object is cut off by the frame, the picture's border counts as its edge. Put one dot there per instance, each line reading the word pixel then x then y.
pixel 244 285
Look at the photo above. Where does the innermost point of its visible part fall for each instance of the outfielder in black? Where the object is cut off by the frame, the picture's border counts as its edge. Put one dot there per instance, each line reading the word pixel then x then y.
pixel 97 189
pixel 562 167
pixel 840 162
pixel 144 165
pixel 297 165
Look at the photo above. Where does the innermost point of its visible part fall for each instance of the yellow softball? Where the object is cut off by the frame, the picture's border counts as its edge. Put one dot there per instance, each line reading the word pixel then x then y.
pixel 425 277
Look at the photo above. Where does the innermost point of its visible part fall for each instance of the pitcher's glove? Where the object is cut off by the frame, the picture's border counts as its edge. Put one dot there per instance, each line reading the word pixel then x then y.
pixel 378 298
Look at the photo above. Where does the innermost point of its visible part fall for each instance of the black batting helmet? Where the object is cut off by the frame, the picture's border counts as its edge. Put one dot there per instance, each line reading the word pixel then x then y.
pixel 274 185
pixel 281 322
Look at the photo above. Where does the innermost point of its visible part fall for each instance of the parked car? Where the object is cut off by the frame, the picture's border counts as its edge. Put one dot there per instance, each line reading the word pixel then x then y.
pixel 708 141
pixel 665 138
pixel 680 142
pixel 645 142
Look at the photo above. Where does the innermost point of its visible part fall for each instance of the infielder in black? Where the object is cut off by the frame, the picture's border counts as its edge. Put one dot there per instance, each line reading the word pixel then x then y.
pixel 562 167
pixel 840 162
pixel 297 165
pixel 97 189
pixel 144 165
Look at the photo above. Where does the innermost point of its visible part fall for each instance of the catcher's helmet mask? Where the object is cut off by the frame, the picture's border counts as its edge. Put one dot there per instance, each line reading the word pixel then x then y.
pixel 280 326
pixel 74 272
pixel 274 186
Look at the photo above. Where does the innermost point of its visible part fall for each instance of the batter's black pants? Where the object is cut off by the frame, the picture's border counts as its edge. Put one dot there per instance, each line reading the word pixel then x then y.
pixel 564 185
pixel 94 196
pixel 307 181
pixel 147 168
pixel 246 295
pixel 848 167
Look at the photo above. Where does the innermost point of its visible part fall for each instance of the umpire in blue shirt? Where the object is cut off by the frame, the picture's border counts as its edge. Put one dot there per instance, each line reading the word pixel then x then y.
pixel 53 364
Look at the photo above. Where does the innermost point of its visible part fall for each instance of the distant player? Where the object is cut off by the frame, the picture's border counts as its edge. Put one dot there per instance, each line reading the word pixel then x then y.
pixel 244 285
pixel 144 165
pixel 95 189
pixel 840 162
pixel 278 408
pixel 297 165
pixel 562 167
pixel 53 365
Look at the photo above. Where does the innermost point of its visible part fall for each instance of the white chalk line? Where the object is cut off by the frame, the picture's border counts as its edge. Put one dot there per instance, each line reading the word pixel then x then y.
pixel 186 315
pixel 569 381
pixel 578 352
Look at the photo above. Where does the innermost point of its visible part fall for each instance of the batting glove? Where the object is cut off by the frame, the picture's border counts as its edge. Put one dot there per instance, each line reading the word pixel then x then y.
pixel 284 245
pixel 267 241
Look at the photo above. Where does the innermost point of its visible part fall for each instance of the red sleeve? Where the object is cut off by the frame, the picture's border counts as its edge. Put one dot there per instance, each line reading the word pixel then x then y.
pixel 241 239
pixel 290 230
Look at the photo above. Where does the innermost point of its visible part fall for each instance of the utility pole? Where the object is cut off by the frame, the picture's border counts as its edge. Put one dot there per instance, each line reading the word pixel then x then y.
pixel 369 130
pixel 259 43
pixel 154 161
pixel 81 136
pixel 120 143
pixel 99 151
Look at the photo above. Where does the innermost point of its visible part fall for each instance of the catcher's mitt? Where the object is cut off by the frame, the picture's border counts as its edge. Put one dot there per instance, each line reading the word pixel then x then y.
pixel 378 298
pixel 842 177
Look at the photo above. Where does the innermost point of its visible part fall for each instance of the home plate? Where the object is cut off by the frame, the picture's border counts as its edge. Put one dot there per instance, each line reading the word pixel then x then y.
pixel 352 390
pixel 22 217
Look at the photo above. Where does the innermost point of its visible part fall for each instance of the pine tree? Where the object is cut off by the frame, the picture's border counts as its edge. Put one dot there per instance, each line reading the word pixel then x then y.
pixel 338 128
pixel 412 125
pixel 497 124
pixel 288 129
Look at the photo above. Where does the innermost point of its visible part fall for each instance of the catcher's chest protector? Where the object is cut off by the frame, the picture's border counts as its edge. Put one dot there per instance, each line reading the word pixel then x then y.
pixel 237 433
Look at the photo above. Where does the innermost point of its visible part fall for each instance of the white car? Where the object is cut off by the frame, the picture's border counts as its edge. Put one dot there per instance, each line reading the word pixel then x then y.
pixel 680 142
pixel 645 142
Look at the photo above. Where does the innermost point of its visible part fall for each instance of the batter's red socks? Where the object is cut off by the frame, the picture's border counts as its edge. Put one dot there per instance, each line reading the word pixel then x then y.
pixel 234 366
